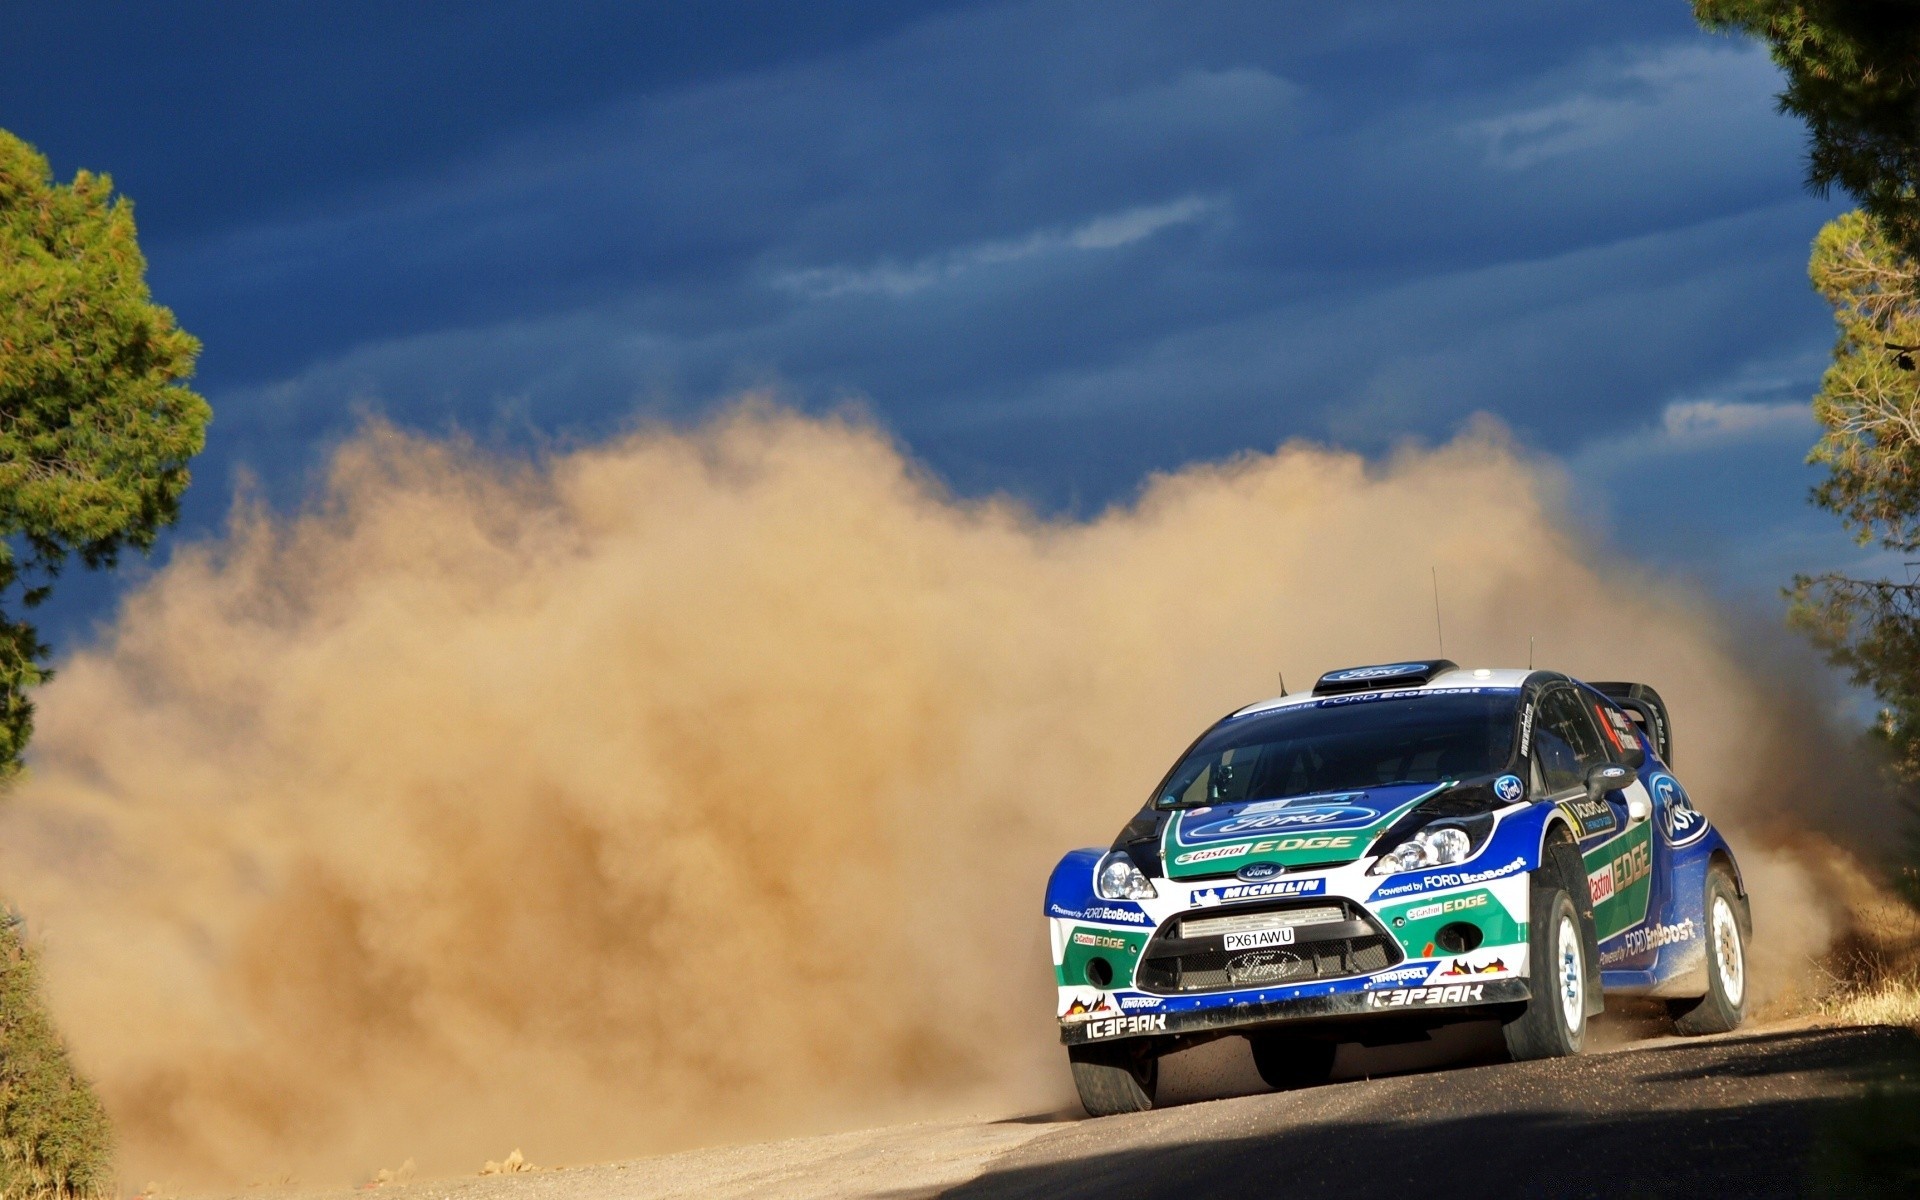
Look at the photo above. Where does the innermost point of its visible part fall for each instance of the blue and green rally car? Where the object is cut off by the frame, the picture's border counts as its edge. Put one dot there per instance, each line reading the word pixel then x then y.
pixel 1409 845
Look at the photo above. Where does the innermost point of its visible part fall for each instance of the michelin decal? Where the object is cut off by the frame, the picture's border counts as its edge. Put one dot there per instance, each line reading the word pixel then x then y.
pixel 1206 897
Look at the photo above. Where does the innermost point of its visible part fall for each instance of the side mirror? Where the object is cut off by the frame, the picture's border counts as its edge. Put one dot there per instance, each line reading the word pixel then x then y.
pixel 1607 777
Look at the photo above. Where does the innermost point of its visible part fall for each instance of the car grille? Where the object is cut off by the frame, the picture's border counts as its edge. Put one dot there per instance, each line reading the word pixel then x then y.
pixel 1328 940
pixel 1253 922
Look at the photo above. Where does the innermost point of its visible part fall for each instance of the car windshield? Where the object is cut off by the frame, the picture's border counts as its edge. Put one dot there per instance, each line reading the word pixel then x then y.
pixel 1347 743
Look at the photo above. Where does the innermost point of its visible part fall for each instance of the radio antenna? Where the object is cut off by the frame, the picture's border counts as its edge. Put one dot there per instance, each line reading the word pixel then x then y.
pixel 1529 652
pixel 1283 683
pixel 1439 634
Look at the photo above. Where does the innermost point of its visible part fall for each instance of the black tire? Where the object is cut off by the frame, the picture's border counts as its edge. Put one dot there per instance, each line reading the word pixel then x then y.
pixel 1728 928
pixel 1554 1022
pixel 1287 1061
pixel 1115 1077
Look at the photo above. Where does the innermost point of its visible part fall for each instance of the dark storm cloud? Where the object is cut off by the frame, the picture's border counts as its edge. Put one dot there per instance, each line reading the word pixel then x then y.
pixel 1317 276
pixel 1055 245
pixel 218 114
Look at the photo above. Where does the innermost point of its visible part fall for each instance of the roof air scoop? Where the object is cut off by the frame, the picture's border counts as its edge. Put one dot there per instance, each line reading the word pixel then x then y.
pixel 1386 675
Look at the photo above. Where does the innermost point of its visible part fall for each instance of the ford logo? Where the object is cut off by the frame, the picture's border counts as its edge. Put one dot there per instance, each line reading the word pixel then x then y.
pixel 1255 872
pixel 1678 816
pixel 1352 673
pixel 1257 820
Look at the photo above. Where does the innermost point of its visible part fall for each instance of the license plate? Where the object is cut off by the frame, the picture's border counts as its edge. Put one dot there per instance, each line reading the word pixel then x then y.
pixel 1259 938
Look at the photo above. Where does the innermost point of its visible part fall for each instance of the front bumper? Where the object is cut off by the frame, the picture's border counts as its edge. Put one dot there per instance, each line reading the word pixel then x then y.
pixel 1450 997
pixel 1393 956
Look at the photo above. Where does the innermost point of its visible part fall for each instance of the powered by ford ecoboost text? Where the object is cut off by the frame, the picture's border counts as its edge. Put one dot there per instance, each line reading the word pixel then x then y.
pixel 1409 845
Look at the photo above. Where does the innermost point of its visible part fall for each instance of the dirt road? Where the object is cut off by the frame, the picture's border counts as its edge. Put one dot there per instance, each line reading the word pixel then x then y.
pixel 1726 1117
pixel 1722 1117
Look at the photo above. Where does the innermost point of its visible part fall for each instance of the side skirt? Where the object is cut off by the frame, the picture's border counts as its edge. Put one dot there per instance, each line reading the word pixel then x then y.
pixel 1686 983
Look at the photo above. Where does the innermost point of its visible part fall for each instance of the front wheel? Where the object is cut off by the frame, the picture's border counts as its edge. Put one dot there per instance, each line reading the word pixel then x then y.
pixel 1115 1077
pixel 1554 1022
pixel 1721 1009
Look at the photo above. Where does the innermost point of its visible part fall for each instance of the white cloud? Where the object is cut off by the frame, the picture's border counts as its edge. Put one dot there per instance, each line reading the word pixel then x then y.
pixel 1624 101
pixel 1698 420
pixel 1107 232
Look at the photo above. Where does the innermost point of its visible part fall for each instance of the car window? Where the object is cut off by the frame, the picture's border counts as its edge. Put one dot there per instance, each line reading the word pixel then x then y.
pixel 1616 726
pixel 1565 743
pixel 1347 742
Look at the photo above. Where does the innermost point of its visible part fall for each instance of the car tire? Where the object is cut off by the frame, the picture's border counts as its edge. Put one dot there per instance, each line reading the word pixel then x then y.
pixel 1554 1022
pixel 1287 1061
pixel 1115 1077
pixel 1728 928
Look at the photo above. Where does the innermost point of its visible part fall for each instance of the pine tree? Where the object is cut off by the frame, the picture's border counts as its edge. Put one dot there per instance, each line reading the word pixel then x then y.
pixel 95 427
pixel 55 1142
pixel 1853 75
pixel 1869 406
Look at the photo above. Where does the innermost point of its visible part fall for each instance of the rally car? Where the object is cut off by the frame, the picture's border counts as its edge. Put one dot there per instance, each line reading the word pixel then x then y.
pixel 1408 845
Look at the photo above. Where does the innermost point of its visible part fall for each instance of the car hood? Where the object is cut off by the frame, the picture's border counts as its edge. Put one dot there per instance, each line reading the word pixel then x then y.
pixel 1323 828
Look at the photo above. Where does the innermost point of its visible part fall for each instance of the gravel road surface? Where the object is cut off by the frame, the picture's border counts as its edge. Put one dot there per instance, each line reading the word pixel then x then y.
pixel 1732 1116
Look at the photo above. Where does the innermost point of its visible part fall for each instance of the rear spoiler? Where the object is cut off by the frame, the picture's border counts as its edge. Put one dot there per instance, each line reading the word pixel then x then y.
pixel 1648 711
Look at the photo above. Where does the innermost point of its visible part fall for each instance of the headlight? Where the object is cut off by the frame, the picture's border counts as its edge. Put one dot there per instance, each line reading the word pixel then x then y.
pixel 1434 846
pixel 1116 878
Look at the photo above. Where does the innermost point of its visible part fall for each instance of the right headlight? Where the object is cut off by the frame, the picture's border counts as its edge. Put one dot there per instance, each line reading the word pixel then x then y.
pixel 1118 878
pixel 1434 846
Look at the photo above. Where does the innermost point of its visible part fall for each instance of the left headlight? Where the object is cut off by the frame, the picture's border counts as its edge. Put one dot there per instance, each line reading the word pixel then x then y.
pixel 1117 878
pixel 1434 846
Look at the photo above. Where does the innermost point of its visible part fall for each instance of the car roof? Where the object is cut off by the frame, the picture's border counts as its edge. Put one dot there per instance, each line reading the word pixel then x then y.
pixel 1485 677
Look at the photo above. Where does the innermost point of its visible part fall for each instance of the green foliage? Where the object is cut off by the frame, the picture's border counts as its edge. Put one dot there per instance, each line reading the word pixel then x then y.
pixel 1868 402
pixel 95 429
pixel 1871 628
pixel 1853 74
pixel 1869 407
pixel 54 1138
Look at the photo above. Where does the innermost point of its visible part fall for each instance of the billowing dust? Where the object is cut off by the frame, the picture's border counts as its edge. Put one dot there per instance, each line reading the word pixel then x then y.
pixel 702 785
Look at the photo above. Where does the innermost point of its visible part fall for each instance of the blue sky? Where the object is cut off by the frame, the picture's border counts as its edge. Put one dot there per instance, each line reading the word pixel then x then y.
pixel 1053 246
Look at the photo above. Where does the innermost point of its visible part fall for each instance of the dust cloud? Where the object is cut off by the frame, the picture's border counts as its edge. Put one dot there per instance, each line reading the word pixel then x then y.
pixel 701 785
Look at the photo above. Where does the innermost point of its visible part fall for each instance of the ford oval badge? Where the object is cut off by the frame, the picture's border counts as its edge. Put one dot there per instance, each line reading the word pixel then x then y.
pixel 1255 872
